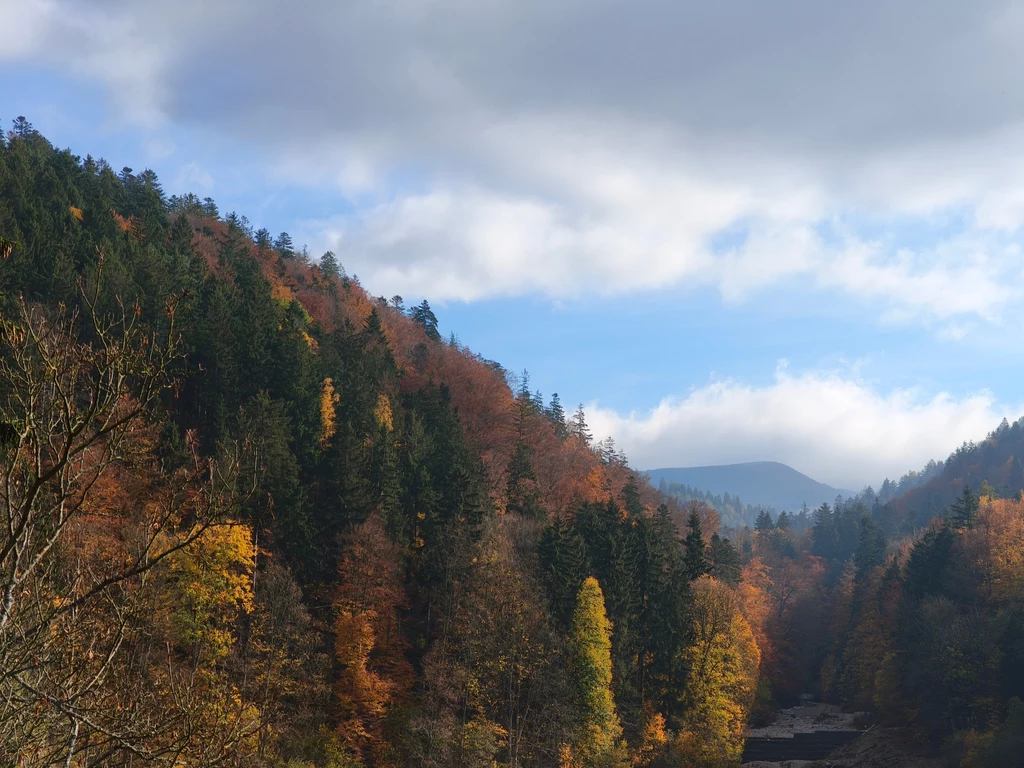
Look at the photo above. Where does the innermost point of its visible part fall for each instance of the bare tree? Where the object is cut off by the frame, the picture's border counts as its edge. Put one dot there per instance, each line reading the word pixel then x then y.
pixel 71 413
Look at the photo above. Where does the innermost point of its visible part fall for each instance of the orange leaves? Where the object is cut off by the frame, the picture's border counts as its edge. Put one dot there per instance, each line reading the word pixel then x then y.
pixel 76 212
pixel 369 645
pixel 328 401
pixel 362 693
pixel 996 547
pixel 281 293
pixel 130 226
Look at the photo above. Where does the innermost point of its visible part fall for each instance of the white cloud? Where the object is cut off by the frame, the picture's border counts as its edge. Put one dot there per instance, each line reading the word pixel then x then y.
pixel 192 178
pixel 24 24
pixel 507 148
pixel 833 427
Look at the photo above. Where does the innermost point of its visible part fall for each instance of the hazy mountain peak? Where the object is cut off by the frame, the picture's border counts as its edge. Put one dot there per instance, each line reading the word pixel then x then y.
pixel 769 483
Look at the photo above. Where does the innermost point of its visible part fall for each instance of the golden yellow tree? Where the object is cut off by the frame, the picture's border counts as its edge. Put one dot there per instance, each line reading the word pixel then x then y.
pixel 599 741
pixel 723 661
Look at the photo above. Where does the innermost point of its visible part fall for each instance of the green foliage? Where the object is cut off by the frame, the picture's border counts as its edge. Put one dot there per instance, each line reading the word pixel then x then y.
pixel 696 557
pixel 591 673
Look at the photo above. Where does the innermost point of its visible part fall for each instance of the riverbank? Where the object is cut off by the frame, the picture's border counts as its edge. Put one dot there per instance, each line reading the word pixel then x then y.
pixel 875 748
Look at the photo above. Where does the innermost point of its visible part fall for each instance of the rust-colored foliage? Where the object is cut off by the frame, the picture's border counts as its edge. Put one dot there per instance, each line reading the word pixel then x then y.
pixel 369 645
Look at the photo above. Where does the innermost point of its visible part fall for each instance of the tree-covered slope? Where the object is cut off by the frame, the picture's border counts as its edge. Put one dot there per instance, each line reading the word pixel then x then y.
pixel 997 462
pixel 255 516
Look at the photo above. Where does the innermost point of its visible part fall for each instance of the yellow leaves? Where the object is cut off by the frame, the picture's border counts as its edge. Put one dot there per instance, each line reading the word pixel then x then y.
pixel 6 248
pixel 76 212
pixel 590 644
pixel 383 413
pixel 328 401
pixel 653 739
pixel 310 342
pixel 212 583
pixel 723 660
pixel 566 758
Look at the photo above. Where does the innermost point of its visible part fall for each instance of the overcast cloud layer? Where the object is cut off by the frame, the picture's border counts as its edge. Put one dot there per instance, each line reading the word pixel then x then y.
pixel 871 150
pixel 499 148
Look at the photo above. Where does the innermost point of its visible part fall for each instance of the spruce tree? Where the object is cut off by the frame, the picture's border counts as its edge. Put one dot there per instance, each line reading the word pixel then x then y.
pixel 824 534
pixel 870 548
pixel 764 524
pixel 964 511
pixel 694 557
pixel 329 265
pixel 556 415
pixel 284 247
pixel 724 560
pixel 590 645
pixel 424 317
pixel 578 427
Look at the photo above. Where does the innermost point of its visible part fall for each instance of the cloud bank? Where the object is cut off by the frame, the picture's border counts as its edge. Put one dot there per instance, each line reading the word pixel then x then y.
pixel 834 428
pixel 493 148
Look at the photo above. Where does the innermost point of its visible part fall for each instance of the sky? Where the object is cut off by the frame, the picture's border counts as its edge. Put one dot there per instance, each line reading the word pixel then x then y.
pixel 734 230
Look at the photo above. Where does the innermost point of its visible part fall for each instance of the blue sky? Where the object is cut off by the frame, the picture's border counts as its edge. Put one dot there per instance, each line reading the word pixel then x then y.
pixel 735 233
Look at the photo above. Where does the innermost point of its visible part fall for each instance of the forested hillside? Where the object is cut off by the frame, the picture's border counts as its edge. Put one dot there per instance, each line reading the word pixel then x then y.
pixel 732 511
pixel 254 516
pixel 995 463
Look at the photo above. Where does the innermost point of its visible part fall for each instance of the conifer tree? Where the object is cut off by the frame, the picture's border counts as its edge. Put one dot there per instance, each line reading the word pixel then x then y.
pixel 556 414
pixel 600 733
pixel 424 317
pixel 329 265
pixel 578 427
pixel 695 558
pixel 725 562
pixel 870 548
pixel 563 556
pixel 825 534
pixel 964 511
pixel 284 246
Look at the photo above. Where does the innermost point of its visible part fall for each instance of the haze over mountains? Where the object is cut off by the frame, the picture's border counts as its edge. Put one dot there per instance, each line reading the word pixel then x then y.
pixel 767 483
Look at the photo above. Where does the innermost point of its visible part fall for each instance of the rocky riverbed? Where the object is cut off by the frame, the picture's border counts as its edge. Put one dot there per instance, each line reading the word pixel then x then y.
pixel 806 719
pixel 875 748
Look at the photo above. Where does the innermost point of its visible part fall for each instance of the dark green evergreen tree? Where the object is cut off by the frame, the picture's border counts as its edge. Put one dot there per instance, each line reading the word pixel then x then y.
pixel 695 557
pixel 424 317
pixel 557 417
pixel 724 560
pixel 964 512
pixel 764 524
pixel 329 265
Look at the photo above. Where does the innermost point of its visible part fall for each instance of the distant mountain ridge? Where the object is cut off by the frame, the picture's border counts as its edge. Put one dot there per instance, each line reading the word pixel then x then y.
pixel 769 483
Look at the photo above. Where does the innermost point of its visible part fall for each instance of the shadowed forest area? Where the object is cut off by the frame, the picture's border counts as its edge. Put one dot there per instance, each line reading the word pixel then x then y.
pixel 252 515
